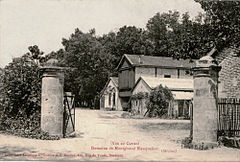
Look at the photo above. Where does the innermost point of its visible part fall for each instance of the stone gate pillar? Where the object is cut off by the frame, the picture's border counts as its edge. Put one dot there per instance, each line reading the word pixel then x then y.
pixel 52 98
pixel 205 102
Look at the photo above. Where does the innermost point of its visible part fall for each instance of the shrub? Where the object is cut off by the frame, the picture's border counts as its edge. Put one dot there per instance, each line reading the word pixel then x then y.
pixel 25 127
pixel 21 91
pixel 158 101
pixel 139 95
pixel 20 94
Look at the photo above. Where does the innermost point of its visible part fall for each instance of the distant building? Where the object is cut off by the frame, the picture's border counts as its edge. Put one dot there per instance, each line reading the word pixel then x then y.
pixel 110 95
pixel 132 67
pixel 229 76
pixel 182 90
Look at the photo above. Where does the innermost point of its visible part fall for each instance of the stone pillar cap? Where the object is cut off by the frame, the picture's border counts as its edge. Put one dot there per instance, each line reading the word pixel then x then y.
pixel 52 65
pixel 206 61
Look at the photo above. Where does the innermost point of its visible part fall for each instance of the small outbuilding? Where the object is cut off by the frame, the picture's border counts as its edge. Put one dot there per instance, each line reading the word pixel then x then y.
pixel 182 90
pixel 109 99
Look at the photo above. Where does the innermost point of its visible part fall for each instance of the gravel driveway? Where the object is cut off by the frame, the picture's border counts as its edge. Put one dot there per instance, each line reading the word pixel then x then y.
pixel 106 136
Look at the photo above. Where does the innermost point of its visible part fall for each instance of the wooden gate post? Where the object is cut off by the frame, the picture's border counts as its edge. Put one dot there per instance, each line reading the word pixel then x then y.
pixel 205 102
pixel 52 98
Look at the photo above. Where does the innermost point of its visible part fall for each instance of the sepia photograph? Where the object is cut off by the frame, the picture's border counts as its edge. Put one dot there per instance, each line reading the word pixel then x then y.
pixel 119 80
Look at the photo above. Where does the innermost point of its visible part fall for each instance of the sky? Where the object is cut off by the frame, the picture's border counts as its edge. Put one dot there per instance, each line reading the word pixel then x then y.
pixel 45 22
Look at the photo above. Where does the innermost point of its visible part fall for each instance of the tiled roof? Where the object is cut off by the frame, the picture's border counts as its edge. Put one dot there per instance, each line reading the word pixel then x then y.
pixel 115 80
pixel 138 60
pixel 171 83
pixel 220 56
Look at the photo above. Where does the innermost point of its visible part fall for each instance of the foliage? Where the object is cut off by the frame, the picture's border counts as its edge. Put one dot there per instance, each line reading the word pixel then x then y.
pixel 20 94
pixel 58 55
pixel 224 19
pixel 140 95
pixel 178 36
pixel 25 127
pixel 229 141
pixel 127 40
pixel 158 102
pixel 93 58
pixel 91 65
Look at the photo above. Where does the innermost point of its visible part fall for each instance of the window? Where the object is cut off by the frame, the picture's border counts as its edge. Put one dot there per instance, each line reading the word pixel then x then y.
pixel 114 96
pixel 155 72
pixel 167 76
pixel 109 99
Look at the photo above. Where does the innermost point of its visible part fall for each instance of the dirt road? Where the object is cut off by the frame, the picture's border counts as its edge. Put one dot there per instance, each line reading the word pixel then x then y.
pixel 105 136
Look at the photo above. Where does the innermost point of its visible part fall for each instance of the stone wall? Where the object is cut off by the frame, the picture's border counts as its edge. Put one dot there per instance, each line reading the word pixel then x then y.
pixel 229 76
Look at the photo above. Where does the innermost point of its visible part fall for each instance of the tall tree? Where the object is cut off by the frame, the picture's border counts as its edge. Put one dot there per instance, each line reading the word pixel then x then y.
pixel 159 27
pixel 178 36
pixel 91 65
pixel 224 20
pixel 127 40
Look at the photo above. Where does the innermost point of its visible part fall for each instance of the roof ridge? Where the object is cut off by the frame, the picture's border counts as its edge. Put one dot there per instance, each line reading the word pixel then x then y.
pixel 158 56
pixel 153 77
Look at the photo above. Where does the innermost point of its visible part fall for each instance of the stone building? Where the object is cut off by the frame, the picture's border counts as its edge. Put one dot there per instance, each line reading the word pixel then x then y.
pixel 110 95
pixel 182 90
pixel 229 76
pixel 132 67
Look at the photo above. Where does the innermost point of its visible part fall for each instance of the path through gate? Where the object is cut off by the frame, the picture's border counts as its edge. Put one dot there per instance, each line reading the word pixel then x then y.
pixel 68 114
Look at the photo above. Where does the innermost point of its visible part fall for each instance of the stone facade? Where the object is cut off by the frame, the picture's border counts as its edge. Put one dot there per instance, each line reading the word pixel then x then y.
pixel 52 99
pixel 205 102
pixel 229 76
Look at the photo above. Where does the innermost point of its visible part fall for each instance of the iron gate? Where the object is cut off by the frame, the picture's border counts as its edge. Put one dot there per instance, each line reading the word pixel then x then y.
pixel 229 117
pixel 68 114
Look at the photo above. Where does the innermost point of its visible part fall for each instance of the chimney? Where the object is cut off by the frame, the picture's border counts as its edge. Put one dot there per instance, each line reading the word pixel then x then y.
pixel 139 59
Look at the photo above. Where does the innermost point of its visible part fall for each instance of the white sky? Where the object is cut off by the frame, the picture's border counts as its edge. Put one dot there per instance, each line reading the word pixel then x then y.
pixel 45 22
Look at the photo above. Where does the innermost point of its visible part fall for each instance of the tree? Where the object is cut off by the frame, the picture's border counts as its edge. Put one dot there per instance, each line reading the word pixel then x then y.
pixel 90 65
pixel 128 40
pixel 178 36
pixel 158 101
pixel 159 27
pixel 224 21
pixel 21 85
pixel 58 55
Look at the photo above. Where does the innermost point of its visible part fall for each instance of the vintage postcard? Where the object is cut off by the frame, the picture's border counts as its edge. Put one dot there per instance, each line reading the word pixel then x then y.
pixel 119 80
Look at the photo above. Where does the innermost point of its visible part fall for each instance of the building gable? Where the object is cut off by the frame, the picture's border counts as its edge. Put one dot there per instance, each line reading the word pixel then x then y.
pixel 125 62
pixel 141 86
pixel 125 65
pixel 109 86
